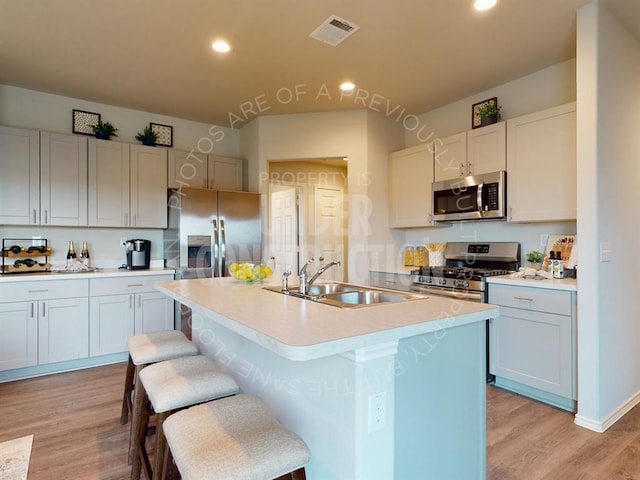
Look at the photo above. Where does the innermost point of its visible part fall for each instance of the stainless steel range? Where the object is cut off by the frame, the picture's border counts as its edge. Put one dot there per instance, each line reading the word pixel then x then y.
pixel 467 265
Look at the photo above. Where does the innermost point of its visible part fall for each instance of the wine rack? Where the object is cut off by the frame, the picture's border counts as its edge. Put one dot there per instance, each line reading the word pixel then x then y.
pixel 19 255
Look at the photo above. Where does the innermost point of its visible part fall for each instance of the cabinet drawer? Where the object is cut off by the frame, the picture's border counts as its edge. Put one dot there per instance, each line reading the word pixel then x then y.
pixel 43 290
pixel 527 298
pixel 390 280
pixel 126 284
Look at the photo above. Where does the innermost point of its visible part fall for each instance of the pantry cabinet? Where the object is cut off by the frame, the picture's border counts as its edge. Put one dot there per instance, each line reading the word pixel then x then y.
pixel 191 169
pixel 533 343
pixel 474 152
pixel 45 322
pixel 542 145
pixel 127 185
pixel 44 178
pixel 122 307
pixel 410 178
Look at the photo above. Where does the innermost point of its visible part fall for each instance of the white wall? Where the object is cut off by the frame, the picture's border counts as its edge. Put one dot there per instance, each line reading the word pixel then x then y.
pixel 608 149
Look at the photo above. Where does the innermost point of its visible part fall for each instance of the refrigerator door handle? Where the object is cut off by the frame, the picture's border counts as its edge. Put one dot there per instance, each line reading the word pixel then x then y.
pixel 216 256
pixel 223 250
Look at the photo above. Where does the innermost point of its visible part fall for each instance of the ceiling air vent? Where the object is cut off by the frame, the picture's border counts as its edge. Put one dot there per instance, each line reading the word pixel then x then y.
pixel 334 30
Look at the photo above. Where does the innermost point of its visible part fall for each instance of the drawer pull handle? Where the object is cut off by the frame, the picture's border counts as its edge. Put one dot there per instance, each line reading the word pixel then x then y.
pixel 39 291
pixel 526 299
pixel 134 285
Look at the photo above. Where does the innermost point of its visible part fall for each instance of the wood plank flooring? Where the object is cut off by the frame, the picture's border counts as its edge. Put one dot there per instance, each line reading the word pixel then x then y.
pixel 77 435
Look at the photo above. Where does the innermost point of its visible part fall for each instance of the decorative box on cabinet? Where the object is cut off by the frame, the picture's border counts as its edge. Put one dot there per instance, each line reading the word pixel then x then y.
pixel 477 151
pixel 44 178
pixel 45 322
pixel 410 178
pixel 124 306
pixel 533 343
pixel 538 145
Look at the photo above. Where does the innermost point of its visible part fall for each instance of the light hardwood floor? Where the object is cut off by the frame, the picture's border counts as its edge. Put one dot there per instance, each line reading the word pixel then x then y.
pixel 77 435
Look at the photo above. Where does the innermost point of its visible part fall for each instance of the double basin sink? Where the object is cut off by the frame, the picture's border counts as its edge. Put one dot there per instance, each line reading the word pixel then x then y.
pixel 345 295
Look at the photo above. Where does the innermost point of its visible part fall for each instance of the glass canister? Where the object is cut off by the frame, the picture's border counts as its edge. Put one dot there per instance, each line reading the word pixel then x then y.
pixel 421 257
pixel 408 256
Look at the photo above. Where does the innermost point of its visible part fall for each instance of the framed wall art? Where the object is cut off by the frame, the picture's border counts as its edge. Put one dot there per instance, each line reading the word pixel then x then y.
pixel 478 108
pixel 82 121
pixel 164 132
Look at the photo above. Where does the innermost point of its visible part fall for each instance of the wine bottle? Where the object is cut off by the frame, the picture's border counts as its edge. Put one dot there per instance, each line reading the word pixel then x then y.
pixel 71 254
pixel 84 254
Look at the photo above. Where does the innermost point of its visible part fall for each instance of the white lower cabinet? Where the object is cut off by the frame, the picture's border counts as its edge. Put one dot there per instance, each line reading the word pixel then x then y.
pixel 47 323
pixel 532 343
pixel 124 306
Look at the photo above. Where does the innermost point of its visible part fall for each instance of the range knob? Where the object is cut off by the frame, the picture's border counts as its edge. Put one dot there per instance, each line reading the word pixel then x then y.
pixel 461 284
pixel 442 281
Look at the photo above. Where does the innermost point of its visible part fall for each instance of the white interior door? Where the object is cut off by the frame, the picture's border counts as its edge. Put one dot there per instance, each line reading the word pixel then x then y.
pixel 328 230
pixel 284 229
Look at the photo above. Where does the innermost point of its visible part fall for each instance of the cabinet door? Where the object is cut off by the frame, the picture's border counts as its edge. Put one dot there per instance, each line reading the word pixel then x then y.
pixel 148 187
pixel 486 149
pixel 450 159
pixel 108 183
pixel 410 178
pixel 187 169
pixel 539 145
pixel 20 179
pixel 534 349
pixel 63 179
pixel 63 330
pixel 19 338
pixel 154 312
pixel 225 173
pixel 111 323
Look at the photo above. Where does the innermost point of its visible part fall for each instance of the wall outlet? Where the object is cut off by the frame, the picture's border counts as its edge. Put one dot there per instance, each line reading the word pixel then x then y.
pixel 377 411
pixel 123 241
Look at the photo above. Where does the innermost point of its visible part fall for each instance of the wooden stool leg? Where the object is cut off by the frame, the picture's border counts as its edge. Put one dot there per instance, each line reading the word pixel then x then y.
pixel 299 474
pixel 135 414
pixel 160 447
pixel 140 423
pixel 169 468
pixel 126 397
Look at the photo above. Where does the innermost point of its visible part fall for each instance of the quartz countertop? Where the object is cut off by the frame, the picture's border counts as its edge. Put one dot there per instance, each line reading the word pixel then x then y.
pixel 99 273
pixel 567 284
pixel 300 329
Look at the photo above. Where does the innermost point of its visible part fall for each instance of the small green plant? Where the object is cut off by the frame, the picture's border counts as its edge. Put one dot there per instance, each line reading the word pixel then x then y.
pixel 104 130
pixel 535 257
pixel 489 109
pixel 147 136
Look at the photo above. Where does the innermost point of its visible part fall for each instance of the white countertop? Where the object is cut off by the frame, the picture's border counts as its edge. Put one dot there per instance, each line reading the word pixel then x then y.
pixel 300 329
pixel 567 284
pixel 100 273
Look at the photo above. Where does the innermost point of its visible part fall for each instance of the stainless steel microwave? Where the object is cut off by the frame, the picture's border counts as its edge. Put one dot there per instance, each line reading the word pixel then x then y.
pixel 477 197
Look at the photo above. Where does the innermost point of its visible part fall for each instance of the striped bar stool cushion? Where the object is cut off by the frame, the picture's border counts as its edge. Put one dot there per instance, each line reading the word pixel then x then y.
pixel 233 438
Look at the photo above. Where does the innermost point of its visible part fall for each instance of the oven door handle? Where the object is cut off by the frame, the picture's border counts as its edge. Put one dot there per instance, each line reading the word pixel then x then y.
pixel 474 297
pixel 479 199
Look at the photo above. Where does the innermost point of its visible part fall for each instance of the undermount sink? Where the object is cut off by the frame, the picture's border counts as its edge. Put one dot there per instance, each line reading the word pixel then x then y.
pixel 344 295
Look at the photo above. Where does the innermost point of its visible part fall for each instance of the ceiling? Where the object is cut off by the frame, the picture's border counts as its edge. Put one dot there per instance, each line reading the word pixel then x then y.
pixel 155 55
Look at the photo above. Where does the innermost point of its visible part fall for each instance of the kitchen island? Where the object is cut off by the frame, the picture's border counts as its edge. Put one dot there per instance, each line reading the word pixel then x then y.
pixel 387 391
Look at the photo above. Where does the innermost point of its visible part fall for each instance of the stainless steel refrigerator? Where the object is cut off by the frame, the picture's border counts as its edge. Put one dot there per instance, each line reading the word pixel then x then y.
pixel 209 229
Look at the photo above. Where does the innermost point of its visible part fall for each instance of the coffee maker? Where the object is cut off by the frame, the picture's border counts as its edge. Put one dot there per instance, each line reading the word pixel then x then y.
pixel 138 254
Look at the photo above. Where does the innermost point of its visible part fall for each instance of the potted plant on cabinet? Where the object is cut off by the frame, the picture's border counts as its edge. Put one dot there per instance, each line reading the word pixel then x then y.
pixel 535 258
pixel 489 113
pixel 147 136
pixel 104 130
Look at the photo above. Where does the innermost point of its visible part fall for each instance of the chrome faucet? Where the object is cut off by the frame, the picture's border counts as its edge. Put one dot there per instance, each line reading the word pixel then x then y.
pixel 285 280
pixel 321 270
pixel 303 277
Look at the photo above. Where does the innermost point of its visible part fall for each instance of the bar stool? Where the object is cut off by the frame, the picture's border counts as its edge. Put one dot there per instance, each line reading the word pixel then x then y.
pixel 232 438
pixel 145 349
pixel 166 387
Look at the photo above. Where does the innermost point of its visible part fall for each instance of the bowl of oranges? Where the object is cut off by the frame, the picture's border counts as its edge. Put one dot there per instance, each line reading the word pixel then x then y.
pixel 249 272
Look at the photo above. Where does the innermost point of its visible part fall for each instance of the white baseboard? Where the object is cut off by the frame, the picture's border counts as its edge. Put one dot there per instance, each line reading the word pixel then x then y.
pixel 602 425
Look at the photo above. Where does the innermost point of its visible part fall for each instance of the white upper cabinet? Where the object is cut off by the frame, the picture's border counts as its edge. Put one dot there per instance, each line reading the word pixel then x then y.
pixel 187 169
pixel 44 178
pixel 410 178
pixel 127 185
pixel 225 173
pixel 477 151
pixel 539 146
pixel 63 179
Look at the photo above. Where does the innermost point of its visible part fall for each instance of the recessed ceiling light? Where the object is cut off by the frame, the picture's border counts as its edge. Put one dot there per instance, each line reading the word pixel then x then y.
pixel 481 5
pixel 221 46
pixel 347 86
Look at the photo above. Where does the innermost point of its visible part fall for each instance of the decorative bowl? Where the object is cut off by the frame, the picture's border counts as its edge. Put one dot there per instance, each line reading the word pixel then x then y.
pixel 249 272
